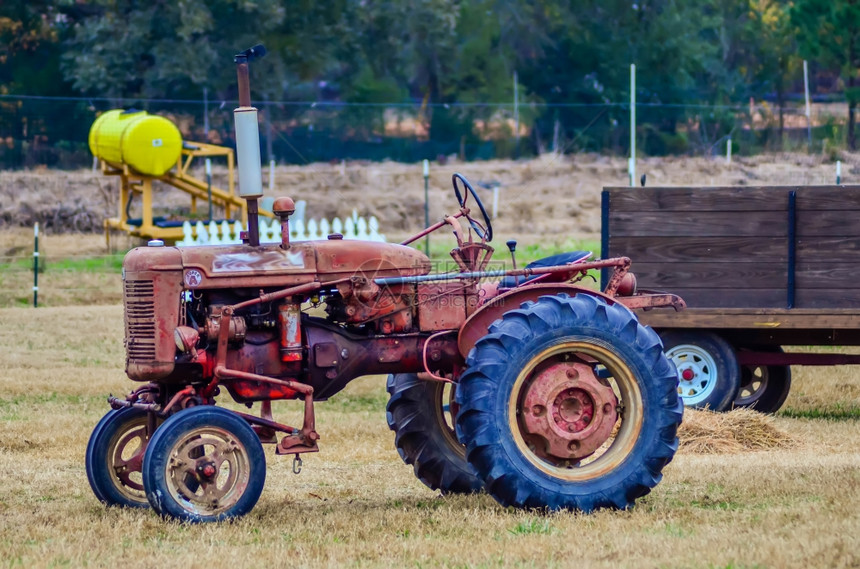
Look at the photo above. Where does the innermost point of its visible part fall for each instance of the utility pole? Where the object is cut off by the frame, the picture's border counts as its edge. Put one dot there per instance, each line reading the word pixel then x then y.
pixel 631 165
pixel 516 118
pixel 808 112
pixel 206 137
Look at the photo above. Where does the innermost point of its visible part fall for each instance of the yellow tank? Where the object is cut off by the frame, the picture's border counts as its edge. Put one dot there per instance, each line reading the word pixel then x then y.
pixel 148 144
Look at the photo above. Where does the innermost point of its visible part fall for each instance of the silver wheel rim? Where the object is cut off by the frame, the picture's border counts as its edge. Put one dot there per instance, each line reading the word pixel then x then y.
pixel 219 449
pixel 755 386
pixel 697 373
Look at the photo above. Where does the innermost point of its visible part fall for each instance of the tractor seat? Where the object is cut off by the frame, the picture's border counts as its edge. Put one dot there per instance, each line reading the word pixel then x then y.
pixel 553 260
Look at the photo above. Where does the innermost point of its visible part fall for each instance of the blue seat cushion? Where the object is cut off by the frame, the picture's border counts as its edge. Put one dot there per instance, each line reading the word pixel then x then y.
pixel 551 261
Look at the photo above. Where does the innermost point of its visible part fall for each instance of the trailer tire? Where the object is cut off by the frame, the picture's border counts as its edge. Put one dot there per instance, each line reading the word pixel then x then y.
pixel 423 436
pixel 545 365
pixel 184 471
pixel 708 370
pixel 763 388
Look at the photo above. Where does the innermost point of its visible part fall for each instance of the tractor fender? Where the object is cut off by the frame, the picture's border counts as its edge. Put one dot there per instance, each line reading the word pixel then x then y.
pixel 477 325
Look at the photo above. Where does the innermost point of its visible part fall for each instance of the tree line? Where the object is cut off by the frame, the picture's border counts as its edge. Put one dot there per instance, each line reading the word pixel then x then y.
pixel 570 58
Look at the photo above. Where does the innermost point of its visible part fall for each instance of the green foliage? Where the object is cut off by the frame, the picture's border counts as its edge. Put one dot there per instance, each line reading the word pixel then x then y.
pixel 158 49
pixel 454 61
pixel 829 31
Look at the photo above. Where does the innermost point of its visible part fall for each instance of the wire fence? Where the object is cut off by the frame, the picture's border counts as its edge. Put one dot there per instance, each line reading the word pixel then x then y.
pixel 52 132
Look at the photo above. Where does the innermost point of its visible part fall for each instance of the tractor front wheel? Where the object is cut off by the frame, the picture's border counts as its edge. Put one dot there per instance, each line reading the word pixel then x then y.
pixel 421 414
pixel 204 464
pixel 568 403
pixel 114 458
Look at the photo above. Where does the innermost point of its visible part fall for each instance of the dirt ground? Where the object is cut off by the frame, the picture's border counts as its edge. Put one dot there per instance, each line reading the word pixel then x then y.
pixel 547 198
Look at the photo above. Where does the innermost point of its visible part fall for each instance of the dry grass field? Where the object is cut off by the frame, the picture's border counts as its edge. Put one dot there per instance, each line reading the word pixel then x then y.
pixel 741 493
pixel 792 504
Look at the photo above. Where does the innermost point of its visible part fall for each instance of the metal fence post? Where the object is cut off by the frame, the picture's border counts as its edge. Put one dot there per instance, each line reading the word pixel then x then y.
pixel 36 265
pixel 427 205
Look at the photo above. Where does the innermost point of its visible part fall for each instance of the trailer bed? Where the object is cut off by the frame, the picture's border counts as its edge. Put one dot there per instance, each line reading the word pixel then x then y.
pixel 759 268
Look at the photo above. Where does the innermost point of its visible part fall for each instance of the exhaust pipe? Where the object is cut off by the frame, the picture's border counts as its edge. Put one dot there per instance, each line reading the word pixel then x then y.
pixel 248 142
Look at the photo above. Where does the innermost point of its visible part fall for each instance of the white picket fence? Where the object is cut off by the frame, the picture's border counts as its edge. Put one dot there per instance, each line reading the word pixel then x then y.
pixel 227 233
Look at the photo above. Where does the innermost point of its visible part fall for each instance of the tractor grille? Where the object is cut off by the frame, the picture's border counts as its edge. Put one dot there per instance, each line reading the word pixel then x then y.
pixel 140 320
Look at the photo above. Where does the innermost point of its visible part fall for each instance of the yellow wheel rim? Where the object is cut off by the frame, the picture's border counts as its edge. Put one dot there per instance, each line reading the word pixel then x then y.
pixel 631 414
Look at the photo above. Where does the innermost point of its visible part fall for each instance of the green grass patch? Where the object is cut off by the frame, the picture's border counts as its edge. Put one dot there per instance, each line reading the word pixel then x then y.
pixel 676 530
pixel 347 402
pixel 440 248
pixel 537 251
pixel 707 503
pixel 533 526
pixel 834 414
pixel 87 264
pixel 21 264
pixel 106 263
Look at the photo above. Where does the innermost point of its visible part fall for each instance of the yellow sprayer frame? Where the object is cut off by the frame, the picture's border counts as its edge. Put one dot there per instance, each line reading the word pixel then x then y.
pixel 179 177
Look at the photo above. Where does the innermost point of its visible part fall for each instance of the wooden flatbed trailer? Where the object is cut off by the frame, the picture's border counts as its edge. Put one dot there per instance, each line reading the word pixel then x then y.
pixel 759 267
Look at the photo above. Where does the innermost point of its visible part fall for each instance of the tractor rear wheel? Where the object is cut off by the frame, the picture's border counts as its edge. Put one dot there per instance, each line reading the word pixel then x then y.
pixel 204 464
pixel 421 414
pixel 569 403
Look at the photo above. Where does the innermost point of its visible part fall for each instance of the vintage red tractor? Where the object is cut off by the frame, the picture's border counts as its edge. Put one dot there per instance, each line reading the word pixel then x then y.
pixel 522 383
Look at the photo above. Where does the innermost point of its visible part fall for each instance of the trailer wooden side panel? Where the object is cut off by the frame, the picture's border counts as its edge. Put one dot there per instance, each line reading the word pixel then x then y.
pixel 754 248
pixel 703 243
pixel 828 271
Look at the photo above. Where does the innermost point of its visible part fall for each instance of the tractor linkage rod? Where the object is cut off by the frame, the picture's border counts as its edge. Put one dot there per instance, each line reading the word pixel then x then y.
pixel 621 262
pixel 292 291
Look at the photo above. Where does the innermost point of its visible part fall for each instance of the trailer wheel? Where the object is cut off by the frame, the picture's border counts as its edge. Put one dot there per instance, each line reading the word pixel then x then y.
pixel 204 464
pixel 421 414
pixel 708 370
pixel 568 403
pixel 764 388
pixel 114 458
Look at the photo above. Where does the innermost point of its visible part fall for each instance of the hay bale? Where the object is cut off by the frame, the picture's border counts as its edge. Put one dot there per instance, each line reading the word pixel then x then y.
pixel 740 430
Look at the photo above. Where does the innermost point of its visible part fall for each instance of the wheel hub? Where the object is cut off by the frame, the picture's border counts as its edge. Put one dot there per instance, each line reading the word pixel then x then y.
pixel 697 372
pixel 568 412
pixel 206 470
pixel 572 410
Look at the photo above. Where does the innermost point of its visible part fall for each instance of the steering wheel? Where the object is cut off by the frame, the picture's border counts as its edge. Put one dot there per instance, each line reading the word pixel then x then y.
pixel 485 231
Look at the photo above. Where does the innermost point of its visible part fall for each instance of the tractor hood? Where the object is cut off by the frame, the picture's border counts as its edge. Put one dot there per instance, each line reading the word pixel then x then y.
pixel 266 266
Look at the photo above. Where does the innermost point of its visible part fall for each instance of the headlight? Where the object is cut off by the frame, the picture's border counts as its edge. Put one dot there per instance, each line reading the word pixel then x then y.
pixel 186 338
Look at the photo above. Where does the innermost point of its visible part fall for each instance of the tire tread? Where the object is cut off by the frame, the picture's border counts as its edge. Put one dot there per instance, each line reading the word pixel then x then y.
pixel 548 318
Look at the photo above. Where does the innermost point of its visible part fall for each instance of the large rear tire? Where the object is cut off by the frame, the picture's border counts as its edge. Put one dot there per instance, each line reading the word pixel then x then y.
pixel 569 403
pixel 421 415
